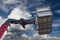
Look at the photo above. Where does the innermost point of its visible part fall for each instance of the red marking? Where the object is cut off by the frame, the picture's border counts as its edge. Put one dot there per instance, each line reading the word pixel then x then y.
pixel 3 28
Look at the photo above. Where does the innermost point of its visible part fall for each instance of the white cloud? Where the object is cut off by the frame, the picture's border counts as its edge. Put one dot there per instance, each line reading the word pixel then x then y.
pixel 56 23
pixel 18 13
pixel 11 1
pixel 53 37
pixel 17 26
pixel 46 37
pixel 29 27
pixel 2 21
pixel 36 35
pixel 5 8
pixel 24 35
pixel 56 20
pixel 0 17
pixel 57 11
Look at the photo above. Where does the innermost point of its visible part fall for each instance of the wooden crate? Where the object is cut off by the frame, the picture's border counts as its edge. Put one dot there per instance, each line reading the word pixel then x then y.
pixel 44 24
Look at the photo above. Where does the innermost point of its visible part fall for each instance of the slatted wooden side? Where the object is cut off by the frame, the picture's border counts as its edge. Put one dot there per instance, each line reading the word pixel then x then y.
pixel 45 24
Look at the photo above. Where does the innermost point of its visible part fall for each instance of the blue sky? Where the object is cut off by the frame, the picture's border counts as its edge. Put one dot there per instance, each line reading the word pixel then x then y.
pixel 6 8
